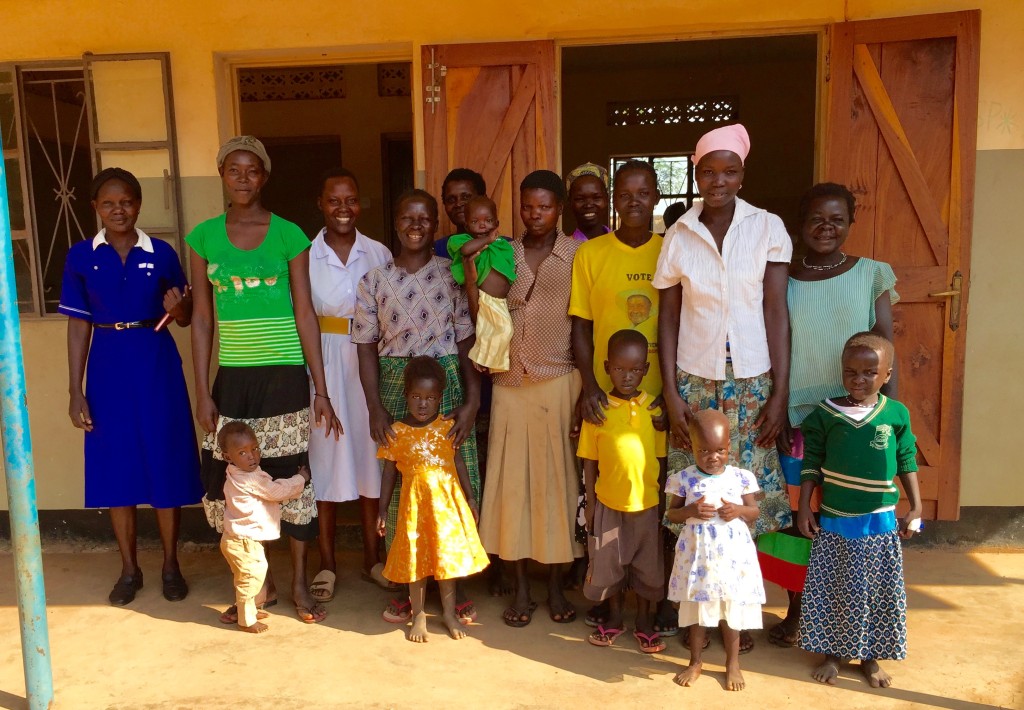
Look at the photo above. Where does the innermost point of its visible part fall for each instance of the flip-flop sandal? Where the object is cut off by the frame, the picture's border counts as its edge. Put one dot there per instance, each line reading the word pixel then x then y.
pixel 230 615
pixel 322 587
pixel 308 615
pixel 463 617
pixel 595 619
pixel 402 613
pixel 666 626
pixel 376 576
pixel 604 637
pixel 649 643
pixel 781 638
pixel 232 611
pixel 749 648
pixel 514 618
pixel 566 617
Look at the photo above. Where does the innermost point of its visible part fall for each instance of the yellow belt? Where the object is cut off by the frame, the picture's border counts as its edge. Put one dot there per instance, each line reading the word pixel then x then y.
pixel 335 325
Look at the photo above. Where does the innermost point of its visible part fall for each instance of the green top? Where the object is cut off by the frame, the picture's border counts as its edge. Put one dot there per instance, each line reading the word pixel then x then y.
pixel 497 256
pixel 252 292
pixel 823 315
pixel 857 461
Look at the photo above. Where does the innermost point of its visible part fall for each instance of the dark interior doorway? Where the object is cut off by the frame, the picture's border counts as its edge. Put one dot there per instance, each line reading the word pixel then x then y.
pixel 312 118
pixel 653 101
pixel 298 164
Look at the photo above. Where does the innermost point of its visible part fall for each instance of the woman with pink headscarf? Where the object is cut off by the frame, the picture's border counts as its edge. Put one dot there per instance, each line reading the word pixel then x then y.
pixel 723 326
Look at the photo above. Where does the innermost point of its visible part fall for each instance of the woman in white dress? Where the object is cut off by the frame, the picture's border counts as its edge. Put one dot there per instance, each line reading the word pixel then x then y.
pixel 345 469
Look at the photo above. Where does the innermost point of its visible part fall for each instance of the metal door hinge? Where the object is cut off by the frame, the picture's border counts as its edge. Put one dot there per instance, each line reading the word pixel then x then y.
pixel 433 88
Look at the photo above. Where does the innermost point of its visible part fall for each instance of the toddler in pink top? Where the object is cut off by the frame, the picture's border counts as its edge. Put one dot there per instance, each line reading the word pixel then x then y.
pixel 252 515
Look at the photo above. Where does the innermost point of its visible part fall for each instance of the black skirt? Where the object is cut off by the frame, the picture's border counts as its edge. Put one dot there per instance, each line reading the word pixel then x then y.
pixel 274 401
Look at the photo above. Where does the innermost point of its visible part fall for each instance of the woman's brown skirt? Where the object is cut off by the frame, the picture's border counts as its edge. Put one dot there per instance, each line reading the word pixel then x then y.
pixel 530 491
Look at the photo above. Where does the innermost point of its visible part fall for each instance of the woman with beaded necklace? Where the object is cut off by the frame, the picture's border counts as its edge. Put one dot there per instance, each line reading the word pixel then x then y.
pixel 831 296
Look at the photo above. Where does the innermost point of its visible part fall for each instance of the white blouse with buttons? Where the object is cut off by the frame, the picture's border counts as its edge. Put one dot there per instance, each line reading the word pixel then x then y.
pixel 723 293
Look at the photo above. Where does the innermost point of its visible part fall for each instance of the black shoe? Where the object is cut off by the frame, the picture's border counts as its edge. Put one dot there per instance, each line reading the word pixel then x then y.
pixel 124 590
pixel 175 587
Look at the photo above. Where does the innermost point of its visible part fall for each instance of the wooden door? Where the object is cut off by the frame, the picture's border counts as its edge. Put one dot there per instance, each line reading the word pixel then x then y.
pixel 491 108
pixel 902 123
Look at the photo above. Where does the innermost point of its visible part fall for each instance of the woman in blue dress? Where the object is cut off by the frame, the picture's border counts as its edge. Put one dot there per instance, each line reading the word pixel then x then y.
pixel 140 445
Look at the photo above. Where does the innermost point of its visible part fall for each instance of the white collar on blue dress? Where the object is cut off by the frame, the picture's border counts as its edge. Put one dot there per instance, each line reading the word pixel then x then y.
pixel 145 242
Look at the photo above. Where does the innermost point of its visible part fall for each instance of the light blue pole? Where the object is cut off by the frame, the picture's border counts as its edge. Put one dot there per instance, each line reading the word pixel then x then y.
pixel 21 484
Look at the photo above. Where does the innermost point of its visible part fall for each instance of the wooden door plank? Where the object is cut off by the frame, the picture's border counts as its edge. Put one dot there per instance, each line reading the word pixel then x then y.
pixel 496 54
pixel 915 283
pixel 480 116
pixel 903 155
pixel 523 157
pixel 501 146
pixel 965 134
pixel 853 140
pixel 548 154
pixel 903 29
pixel 927 444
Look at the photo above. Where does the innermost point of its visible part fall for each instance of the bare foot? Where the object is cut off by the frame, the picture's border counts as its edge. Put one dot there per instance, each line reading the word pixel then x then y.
pixel 455 627
pixel 418 631
pixel 257 628
pixel 734 679
pixel 691 674
pixel 876 677
pixel 827 672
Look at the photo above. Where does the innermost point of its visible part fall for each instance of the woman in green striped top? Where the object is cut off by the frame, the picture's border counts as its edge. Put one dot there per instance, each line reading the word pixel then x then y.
pixel 257 268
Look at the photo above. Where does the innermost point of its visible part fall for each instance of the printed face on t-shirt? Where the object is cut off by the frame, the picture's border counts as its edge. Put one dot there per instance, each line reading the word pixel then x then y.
pixel 638 308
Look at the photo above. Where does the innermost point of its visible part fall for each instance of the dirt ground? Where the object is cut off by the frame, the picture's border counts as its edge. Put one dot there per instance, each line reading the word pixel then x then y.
pixel 966 616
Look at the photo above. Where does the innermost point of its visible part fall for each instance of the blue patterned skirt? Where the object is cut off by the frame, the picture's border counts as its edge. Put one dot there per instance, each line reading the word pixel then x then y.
pixel 854 603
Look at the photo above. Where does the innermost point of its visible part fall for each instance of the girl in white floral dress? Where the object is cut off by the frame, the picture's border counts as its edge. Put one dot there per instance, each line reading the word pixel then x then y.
pixel 715 576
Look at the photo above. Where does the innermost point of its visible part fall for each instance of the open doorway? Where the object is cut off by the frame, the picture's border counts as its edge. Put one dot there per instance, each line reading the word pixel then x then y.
pixel 312 118
pixel 653 101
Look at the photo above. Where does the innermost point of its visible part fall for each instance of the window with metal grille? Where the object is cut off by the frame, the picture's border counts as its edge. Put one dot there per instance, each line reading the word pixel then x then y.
pixel 291 83
pixel 669 112
pixel 62 122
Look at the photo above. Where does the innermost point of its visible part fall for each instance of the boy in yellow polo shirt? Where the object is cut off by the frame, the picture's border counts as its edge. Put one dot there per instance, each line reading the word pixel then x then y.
pixel 622 464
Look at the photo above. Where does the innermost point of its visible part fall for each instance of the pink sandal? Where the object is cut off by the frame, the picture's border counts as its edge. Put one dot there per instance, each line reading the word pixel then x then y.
pixel 466 618
pixel 649 643
pixel 604 637
pixel 401 614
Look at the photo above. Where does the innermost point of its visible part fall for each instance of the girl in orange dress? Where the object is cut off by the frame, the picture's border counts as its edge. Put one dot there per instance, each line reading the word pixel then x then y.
pixel 436 534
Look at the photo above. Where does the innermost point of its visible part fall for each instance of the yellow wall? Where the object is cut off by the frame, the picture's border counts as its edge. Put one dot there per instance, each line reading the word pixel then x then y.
pixel 198 32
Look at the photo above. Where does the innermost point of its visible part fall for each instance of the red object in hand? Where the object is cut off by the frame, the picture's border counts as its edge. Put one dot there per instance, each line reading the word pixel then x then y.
pixel 167 316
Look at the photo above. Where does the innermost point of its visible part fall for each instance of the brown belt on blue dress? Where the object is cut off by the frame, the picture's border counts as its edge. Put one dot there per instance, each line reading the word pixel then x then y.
pixel 127 326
